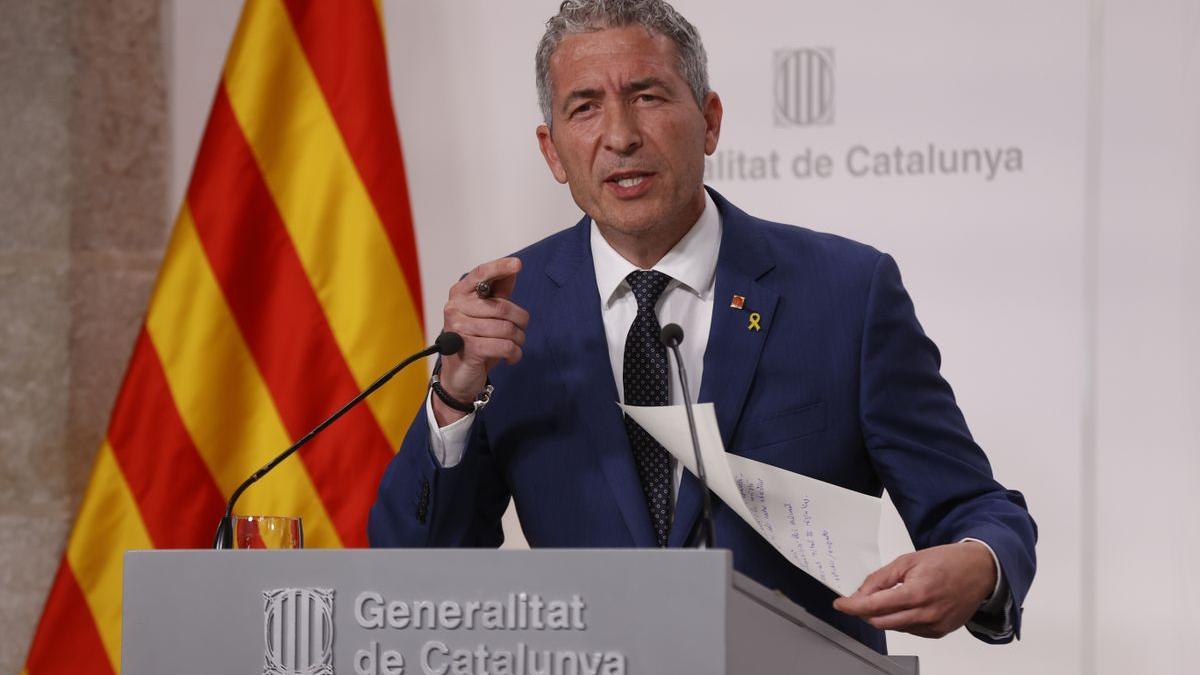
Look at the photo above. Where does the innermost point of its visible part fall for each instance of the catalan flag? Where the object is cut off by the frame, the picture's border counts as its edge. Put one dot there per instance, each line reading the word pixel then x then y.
pixel 289 284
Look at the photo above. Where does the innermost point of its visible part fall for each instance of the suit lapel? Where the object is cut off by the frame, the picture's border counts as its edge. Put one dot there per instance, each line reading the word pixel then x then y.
pixel 580 352
pixel 734 344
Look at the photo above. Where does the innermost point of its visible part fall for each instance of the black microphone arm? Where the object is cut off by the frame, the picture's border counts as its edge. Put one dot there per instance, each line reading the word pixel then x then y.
pixel 446 344
pixel 672 336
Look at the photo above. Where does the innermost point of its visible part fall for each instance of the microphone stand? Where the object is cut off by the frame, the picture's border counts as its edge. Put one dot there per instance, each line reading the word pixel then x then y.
pixel 672 335
pixel 446 343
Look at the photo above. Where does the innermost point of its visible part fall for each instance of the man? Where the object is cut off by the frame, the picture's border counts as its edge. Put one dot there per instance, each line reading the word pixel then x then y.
pixel 806 343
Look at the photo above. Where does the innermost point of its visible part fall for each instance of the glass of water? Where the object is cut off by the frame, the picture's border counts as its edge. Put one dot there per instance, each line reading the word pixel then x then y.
pixel 267 532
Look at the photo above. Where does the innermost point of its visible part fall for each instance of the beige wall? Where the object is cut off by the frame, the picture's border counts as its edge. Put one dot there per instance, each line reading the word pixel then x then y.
pixel 82 225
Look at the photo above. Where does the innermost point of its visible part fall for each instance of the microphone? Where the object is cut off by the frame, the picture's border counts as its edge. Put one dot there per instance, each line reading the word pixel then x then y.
pixel 445 345
pixel 671 336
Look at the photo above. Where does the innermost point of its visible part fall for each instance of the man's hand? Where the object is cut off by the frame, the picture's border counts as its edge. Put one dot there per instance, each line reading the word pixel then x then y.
pixel 493 330
pixel 928 593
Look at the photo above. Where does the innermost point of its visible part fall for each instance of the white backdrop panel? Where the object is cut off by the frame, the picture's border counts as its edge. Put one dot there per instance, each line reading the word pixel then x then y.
pixel 994 263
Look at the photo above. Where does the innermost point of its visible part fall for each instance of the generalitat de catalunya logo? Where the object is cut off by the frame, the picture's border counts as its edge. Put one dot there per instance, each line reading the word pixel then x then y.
pixel 804 87
pixel 298 631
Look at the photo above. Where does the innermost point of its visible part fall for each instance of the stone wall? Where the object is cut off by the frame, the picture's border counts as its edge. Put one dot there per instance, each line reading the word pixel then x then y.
pixel 83 220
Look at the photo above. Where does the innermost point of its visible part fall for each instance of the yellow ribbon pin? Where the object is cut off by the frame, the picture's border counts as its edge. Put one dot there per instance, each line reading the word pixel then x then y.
pixel 755 317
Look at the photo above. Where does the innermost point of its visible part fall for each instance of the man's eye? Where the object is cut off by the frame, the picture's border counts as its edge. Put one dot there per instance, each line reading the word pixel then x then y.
pixel 647 98
pixel 586 107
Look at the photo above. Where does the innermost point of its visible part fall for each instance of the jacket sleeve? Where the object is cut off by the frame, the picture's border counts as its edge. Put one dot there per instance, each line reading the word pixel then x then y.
pixel 421 503
pixel 935 473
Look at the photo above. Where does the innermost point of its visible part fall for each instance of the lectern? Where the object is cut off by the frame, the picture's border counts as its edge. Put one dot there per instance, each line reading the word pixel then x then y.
pixel 446 612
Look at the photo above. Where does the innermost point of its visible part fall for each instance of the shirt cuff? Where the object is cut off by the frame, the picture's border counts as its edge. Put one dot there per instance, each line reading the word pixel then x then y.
pixel 448 443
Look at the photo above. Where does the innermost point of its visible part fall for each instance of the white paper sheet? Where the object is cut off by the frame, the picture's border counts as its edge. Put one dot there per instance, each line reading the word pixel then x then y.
pixel 828 531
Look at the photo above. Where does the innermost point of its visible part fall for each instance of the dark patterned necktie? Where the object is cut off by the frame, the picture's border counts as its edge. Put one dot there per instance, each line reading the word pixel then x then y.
pixel 645 381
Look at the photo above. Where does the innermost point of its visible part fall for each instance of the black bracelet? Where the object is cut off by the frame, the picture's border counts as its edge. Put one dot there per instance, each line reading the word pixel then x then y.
pixel 480 400
pixel 448 399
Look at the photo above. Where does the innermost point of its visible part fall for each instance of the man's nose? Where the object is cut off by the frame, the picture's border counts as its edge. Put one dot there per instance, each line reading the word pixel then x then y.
pixel 622 135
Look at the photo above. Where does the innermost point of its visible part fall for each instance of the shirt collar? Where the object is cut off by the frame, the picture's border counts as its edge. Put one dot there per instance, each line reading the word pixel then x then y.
pixel 692 262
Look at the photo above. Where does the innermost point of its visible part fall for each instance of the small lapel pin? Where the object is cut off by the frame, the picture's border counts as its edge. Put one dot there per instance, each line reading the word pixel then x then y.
pixel 737 302
pixel 755 317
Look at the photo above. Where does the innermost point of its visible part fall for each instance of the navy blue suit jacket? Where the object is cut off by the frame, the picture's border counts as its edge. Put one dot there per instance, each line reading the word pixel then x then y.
pixel 840 384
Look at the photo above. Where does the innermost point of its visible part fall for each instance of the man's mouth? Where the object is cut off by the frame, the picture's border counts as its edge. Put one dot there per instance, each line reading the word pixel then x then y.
pixel 629 184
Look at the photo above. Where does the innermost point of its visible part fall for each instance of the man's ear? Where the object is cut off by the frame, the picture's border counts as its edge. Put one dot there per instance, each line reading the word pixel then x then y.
pixel 713 112
pixel 550 153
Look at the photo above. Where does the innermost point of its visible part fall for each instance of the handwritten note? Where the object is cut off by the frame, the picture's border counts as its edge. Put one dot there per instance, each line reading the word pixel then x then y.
pixel 828 531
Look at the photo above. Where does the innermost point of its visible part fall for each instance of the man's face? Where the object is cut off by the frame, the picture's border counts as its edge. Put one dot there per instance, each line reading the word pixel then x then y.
pixel 627 134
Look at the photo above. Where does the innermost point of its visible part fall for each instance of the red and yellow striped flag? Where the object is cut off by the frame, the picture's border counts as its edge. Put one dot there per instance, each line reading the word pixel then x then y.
pixel 290 283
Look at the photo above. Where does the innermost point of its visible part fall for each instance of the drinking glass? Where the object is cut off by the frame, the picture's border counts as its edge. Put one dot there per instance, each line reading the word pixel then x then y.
pixel 267 532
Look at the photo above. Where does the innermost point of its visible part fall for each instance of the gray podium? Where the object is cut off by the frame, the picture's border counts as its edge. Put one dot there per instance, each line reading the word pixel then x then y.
pixel 446 612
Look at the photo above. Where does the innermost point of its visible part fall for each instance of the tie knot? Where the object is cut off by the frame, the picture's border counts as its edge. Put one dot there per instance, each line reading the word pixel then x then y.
pixel 646 287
